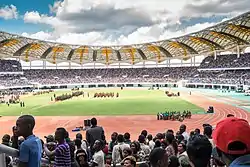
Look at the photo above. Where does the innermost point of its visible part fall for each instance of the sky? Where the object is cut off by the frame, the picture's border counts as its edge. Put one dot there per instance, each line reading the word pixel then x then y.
pixel 113 22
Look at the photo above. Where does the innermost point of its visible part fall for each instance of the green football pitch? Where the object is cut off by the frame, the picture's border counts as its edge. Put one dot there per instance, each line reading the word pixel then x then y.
pixel 130 102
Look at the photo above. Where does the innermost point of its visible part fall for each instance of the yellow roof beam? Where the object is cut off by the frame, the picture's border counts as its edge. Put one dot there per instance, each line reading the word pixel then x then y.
pixel 106 52
pixel 153 48
pixel 11 42
pixel 81 51
pixel 219 35
pixel 131 52
pixel 178 46
pixel 239 28
pixel 34 46
pixel 200 41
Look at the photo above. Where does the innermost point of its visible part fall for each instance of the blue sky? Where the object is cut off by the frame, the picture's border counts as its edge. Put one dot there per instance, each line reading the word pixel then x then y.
pixel 116 22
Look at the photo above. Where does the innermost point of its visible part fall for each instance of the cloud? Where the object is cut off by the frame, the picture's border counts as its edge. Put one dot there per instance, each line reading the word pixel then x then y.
pixel 115 22
pixel 9 12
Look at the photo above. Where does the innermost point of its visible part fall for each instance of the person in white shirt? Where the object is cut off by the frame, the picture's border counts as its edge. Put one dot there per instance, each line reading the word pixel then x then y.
pixel 183 132
pixel 118 149
pixel 98 157
pixel 145 148
pixel 151 143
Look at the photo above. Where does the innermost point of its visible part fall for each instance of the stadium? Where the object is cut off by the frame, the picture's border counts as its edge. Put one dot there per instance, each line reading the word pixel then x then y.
pixel 206 73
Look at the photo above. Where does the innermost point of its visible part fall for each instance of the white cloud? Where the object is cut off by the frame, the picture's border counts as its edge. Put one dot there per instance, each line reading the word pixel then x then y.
pixel 9 12
pixel 115 22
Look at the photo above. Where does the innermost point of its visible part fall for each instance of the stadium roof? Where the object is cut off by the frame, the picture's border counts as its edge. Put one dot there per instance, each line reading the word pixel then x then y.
pixel 223 36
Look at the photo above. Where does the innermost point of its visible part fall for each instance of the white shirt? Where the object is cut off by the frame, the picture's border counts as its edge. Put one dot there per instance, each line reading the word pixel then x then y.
pixel 116 158
pixel 185 135
pixel 98 158
pixel 151 144
pixel 145 148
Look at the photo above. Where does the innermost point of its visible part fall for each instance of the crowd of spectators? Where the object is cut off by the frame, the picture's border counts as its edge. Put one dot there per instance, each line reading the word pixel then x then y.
pixel 220 146
pixel 10 66
pixel 132 75
pixel 226 61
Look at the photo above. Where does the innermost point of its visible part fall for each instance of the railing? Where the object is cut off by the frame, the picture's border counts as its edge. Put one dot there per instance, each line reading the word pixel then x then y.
pixel 5 150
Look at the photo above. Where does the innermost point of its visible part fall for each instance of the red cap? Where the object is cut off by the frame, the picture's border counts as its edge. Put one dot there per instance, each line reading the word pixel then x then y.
pixel 230 130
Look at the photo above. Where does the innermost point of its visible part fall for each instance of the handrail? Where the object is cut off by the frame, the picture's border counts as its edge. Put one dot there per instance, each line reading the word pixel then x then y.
pixel 15 153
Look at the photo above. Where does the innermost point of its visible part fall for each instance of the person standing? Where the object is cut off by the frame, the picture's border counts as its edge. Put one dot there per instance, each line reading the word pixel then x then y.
pixel 94 133
pixel 30 150
pixel 98 157
pixel 62 151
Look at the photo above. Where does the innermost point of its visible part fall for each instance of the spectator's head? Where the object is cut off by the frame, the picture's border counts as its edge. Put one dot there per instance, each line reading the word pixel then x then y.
pixel 126 136
pixel 158 158
pixel 150 137
pixel 182 147
pixel 144 133
pixel 60 135
pixel 135 147
pixel 6 138
pixel 81 157
pixel 120 138
pixel 129 161
pixel 173 161
pixel 114 136
pixel 49 138
pixel 79 136
pixel 179 138
pixel 127 152
pixel 170 131
pixel 197 131
pixel 171 140
pixel 182 128
pixel 93 121
pixel 232 139
pixel 25 125
pixel 157 143
pixel 98 145
pixel 78 142
pixel 208 131
pixel 141 139
pixel 199 150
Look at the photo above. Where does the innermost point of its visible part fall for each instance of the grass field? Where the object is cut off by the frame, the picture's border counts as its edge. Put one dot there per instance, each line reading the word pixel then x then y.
pixel 130 102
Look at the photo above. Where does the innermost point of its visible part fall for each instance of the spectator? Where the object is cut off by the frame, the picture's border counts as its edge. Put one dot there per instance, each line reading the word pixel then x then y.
pixel 118 149
pixel 84 142
pixel 129 161
pixel 199 150
pixel 197 131
pixel 173 161
pixel 81 156
pixel 113 142
pixel 233 144
pixel 182 155
pixel 127 138
pixel 94 133
pixel 151 143
pixel 145 148
pixel 158 158
pixel 6 140
pixel 71 146
pixel 183 132
pixel 172 148
pixel 208 133
pixel 31 148
pixel 98 157
pixel 62 151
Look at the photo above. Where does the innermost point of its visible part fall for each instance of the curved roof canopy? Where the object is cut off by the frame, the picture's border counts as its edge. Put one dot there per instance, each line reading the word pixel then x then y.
pixel 223 36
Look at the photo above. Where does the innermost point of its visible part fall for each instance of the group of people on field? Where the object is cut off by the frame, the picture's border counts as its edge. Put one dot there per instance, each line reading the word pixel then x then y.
pixel 173 115
pixel 103 94
pixel 68 96
pixel 42 92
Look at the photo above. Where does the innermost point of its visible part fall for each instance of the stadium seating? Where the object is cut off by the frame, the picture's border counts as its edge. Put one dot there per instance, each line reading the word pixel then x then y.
pixel 10 66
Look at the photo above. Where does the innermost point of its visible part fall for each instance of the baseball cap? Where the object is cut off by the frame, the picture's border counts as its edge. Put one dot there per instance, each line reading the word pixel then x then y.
pixel 231 130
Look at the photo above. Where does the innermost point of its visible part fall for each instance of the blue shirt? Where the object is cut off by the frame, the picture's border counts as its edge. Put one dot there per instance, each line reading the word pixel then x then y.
pixel 31 151
pixel 243 161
